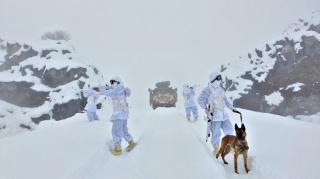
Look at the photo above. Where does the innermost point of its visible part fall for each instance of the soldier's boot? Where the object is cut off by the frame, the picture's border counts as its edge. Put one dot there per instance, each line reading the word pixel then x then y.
pixel 195 118
pixel 117 150
pixel 188 118
pixel 215 149
pixel 131 145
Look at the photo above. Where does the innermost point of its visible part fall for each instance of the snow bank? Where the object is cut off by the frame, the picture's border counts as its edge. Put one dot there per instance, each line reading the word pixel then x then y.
pixel 168 147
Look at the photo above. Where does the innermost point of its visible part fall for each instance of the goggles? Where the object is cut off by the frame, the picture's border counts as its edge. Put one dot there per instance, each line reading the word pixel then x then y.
pixel 112 81
pixel 219 78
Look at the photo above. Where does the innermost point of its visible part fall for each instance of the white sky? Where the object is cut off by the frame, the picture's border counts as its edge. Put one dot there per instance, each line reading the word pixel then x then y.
pixel 168 39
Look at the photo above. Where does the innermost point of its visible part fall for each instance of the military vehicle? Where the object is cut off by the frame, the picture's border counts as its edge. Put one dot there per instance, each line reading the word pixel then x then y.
pixel 163 95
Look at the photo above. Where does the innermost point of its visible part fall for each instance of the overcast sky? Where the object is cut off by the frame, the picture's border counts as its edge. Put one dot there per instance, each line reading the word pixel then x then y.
pixel 145 41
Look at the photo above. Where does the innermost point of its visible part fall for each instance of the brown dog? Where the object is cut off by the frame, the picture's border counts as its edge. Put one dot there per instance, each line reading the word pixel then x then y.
pixel 238 144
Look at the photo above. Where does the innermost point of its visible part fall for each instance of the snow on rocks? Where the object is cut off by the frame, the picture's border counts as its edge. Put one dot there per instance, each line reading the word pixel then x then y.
pixel 42 76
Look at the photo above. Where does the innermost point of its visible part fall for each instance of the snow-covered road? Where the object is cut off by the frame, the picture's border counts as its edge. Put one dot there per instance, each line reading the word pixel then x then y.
pixel 168 147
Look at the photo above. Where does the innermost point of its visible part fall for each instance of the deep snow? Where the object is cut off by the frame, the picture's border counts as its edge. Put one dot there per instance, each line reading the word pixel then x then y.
pixel 168 147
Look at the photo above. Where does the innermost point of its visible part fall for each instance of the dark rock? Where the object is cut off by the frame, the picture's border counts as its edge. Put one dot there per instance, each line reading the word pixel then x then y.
pixel 44 53
pixel 95 71
pixel 21 94
pixel 314 28
pixel 16 59
pixel 13 48
pixel 81 84
pixel 63 111
pixel 54 78
pixel 25 127
pixel 268 48
pixel 223 68
pixel 43 117
pixel 65 51
pixel 259 53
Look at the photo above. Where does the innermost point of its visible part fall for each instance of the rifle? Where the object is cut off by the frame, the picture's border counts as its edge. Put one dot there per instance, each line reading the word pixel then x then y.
pixel 94 88
pixel 193 87
pixel 105 87
pixel 208 123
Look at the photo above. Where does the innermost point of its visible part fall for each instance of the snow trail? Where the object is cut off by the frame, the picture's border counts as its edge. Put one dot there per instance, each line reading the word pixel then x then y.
pixel 170 151
pixel 169 147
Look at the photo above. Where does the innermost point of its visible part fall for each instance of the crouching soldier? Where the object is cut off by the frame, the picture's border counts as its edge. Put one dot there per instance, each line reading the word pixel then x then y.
pixel 189 104
pixel 91 106
pixel 214 97
pixel 120 114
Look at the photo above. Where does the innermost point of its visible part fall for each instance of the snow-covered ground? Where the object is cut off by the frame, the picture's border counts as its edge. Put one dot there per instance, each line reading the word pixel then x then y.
pixel 168 147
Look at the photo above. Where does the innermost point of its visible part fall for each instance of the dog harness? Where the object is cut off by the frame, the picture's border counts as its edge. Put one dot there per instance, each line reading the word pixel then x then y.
pixel 242 145
pixel 216 99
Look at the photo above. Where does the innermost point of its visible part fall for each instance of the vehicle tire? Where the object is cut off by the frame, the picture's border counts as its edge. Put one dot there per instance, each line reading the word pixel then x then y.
pixel 154 106
pixel 150 98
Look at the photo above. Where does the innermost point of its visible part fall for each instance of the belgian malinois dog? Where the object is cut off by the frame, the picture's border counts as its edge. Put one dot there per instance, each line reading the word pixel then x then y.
pixel 239 146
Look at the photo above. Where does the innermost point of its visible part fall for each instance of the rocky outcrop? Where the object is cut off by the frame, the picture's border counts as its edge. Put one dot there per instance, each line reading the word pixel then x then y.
pixel 13 60
pixel 44 81
pixel 21 94
pixel 291 67
pixel 66 110
pixel 13 48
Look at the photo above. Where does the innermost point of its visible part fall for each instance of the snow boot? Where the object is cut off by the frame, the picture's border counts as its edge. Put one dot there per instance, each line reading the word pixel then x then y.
pixel 117 150
pixel 131 145
pixel 215 149
pixel 188 118
pixel 195 118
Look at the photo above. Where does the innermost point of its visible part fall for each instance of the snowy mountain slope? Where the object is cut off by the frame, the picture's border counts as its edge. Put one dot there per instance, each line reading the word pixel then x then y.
pixel 280 76
pixel 41 80
pixel 168 147
pixel 164 40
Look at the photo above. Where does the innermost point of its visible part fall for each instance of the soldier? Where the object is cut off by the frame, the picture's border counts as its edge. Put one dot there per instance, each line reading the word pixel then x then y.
pixel 91 106
pixel 214 96
pixel 120 114
pixel 189 104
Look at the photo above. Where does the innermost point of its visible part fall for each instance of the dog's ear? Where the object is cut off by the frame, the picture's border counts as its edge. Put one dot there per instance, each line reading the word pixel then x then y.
pixel 236 127
pixel 243 127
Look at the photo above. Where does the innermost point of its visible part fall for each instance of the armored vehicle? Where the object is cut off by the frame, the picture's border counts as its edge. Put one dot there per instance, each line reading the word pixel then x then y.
pixel 163 95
